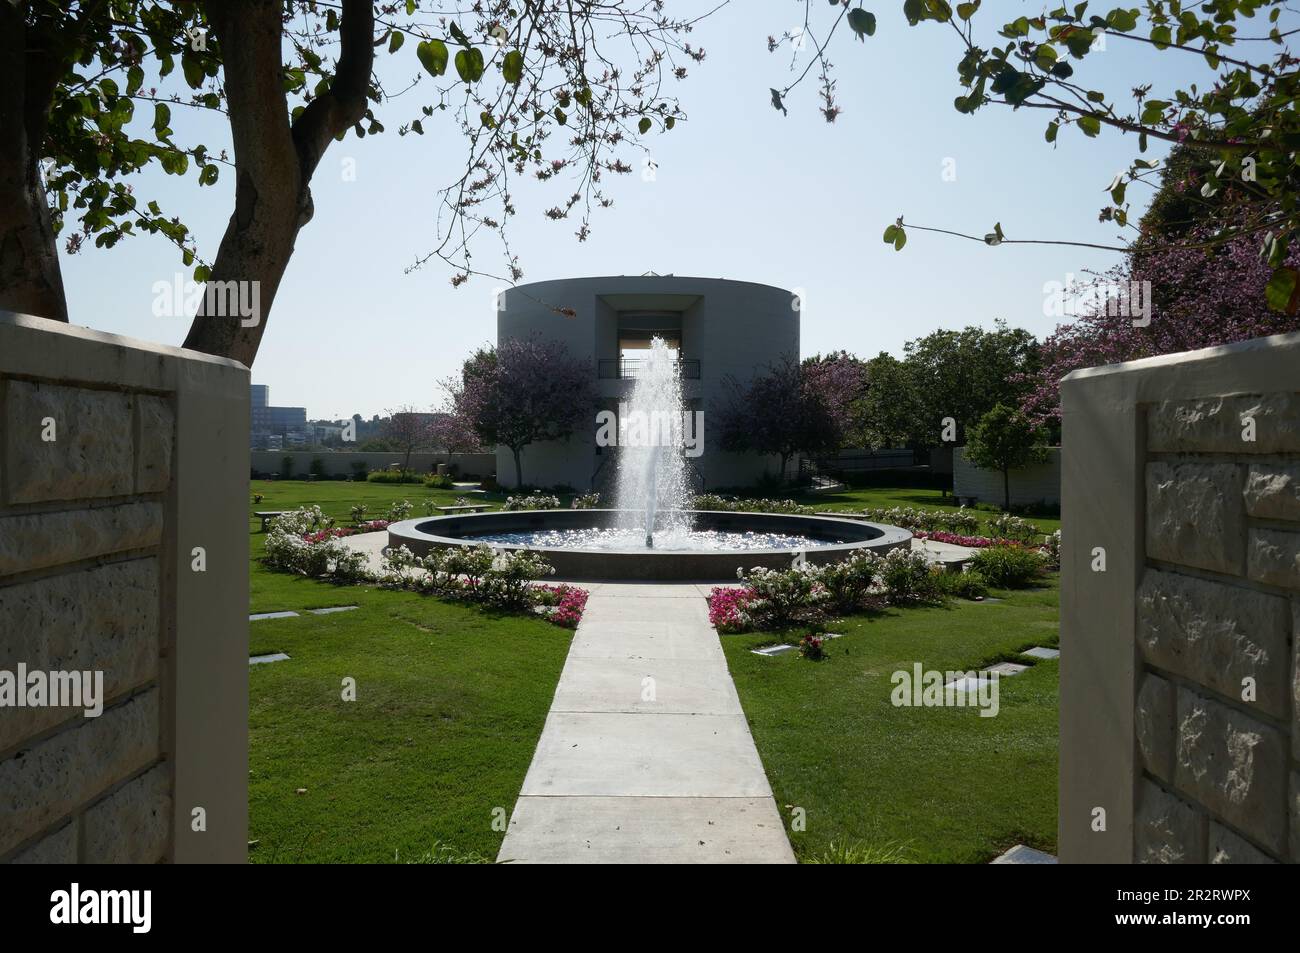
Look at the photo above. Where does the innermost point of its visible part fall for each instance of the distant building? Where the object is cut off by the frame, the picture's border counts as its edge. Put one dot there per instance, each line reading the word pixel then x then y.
pixel 288 424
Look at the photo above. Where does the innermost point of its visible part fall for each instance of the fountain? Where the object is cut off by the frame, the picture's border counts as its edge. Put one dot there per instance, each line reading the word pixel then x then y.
pixel 651 474
pixel 652 533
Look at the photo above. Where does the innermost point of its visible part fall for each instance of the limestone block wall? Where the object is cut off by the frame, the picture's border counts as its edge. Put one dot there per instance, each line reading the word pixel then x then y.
pixel 1040 483
pixel 1180 696
pixel 123 478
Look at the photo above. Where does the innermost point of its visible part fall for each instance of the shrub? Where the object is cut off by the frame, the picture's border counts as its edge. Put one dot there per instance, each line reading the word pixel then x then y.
pixel 286 468
pixel 439 481
pixel 716 501
pixel 1051 551
pixel 562 604
pixel 301 521
pixel 324 558
pixel 358 512
pixel 586 501
pixel 1008 567
pixel 534 501
pixel 783 596
pixel 906 576
pixel 317 467
pixel 849 581
pixel 392 476
pixel 498 578
pixel 1006 526
pixel 398 511
pixel 729 609
pixel 258 498
pixel 963 585
pixel 359 468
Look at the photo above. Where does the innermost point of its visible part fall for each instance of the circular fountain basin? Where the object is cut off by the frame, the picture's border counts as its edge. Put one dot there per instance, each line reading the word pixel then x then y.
pixel 720 544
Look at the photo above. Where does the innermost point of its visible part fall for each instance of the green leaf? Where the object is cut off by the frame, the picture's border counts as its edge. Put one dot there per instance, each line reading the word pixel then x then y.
pixel 162 115
pixel 395 41
pixel 1161 36
pixel 644 125
pixel 1052 128
pixel 896 236
pixel 512 67
pixel 1090 125
pixel 469 64
pixel 202 273
pixel 560 116
pixel 967 10
pixel 1280 290
pixel 134 80
pixel 862 22
pixel 192 69
pixel 433 56
pixel 670 122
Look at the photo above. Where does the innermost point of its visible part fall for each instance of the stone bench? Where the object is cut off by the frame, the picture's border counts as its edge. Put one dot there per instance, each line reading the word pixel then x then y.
pixel 267 515
pixel 464 508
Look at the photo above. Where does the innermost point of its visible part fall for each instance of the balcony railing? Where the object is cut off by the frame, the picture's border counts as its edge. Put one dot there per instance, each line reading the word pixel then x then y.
pixel 632 367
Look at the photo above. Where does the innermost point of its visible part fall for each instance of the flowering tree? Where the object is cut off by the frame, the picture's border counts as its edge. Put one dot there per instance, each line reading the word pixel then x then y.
pixel 525 390
pixel 1200 298
pixel 791 408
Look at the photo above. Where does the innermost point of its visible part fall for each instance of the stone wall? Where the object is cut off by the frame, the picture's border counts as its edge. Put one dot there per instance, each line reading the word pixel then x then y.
pixel 341 462
pixel 1180 676
pixel 1040 483
pixel 120 463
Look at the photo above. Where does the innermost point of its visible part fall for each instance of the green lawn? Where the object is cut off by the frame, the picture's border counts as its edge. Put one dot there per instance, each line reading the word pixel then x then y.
pixel 929 785
pixel 449 704
pixel 918 498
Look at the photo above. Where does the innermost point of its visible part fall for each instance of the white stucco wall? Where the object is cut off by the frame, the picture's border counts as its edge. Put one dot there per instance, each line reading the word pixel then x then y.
pixel 1040 483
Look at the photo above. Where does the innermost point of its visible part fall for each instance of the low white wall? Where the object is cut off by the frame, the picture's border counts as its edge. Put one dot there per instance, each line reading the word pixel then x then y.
pixel 1037 484
pixel 340 463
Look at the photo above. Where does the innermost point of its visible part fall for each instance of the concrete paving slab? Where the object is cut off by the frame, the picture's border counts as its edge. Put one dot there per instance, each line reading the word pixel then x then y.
pixel 259 616
pixel 1039 651
pixel 624 640
pixel 676 686
pixel 646 830
pixel 332 609
pixel 773 650
pixel 632 755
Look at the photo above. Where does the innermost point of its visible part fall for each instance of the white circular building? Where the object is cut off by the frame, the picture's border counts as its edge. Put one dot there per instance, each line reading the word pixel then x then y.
pixel 720 329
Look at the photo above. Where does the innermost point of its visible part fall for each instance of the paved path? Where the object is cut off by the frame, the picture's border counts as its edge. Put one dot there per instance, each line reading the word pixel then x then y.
pixel 646 755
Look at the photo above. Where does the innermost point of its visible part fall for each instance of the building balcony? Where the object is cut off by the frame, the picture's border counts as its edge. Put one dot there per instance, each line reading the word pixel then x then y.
pixel 630 368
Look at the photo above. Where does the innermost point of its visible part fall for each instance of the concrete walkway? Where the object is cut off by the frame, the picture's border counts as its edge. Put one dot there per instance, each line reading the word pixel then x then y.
pixel 646 756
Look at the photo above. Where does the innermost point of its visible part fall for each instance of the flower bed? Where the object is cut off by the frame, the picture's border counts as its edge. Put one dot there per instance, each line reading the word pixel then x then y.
pixel 305 542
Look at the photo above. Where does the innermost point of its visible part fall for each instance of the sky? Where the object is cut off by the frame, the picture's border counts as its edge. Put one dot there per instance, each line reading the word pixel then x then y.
pixel 739 191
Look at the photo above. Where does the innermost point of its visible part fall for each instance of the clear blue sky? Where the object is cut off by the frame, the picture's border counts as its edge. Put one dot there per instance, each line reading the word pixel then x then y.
pixel 740 192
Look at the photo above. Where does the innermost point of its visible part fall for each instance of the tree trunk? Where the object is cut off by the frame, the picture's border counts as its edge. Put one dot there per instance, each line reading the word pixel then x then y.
pixel 1006 490
pixel 274 162
pixel 519 469
pixel 31 63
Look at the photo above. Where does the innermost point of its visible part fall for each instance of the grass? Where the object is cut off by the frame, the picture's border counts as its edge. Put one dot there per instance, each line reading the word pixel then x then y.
pixel 924 785
pixel 449 704
pixel 918 498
